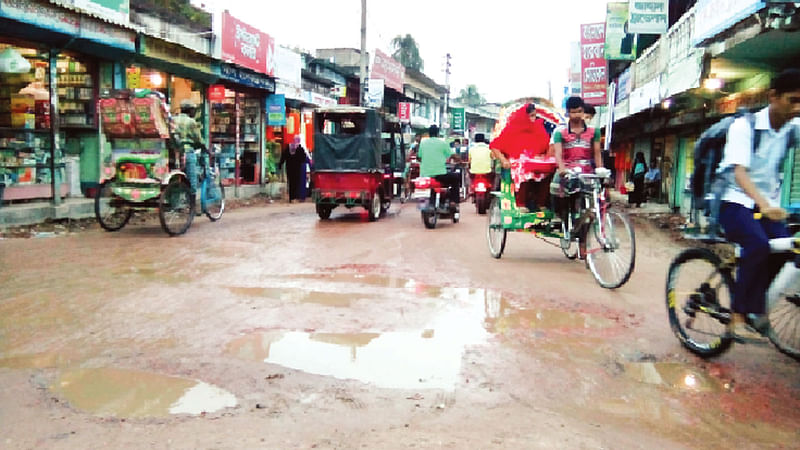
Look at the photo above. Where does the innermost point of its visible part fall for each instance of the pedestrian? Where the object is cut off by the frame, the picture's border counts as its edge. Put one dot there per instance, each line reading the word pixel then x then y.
pixel 637 176
pixel 296 160
pixel 652 181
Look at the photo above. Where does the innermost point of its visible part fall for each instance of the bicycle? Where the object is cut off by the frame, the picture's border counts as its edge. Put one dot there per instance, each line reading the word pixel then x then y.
pixel 698 297
pixel 609 237
pixel 212 193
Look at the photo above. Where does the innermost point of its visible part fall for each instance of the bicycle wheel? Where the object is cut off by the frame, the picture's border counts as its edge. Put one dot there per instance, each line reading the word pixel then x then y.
pixel 783 310
pixel 176 207
pixel 495 233
pixel 569 243
pixel 111 211
pixel 698 302
pixel 611 250
pixel 213 198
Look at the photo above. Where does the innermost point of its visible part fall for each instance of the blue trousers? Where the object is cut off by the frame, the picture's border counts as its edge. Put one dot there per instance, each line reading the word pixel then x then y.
pixel 757 266
pixel 191 170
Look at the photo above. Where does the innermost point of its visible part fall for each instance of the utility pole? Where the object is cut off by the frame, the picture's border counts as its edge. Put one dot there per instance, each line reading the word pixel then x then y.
pixel 362 76
pixel 445 116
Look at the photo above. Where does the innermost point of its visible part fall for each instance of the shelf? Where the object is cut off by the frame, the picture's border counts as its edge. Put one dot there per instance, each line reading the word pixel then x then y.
pixel 25 130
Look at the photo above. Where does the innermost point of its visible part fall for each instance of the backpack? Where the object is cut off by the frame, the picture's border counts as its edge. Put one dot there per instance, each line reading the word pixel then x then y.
pixel 707 184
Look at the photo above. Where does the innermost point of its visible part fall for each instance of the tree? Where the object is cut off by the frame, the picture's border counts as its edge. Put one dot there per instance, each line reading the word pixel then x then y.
pixel 407 52
pixel 470 96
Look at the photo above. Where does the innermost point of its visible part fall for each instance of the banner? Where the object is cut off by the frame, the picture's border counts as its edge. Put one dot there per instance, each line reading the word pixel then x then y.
pixel 594 77
pixel 713 17
pixel 457 120
pixel 619 43
pixel 288 67
pixel 404 111
pixel 388 69
pixel 216 93
pixel 375 92
pixel 246 46
pixel 648 17
pixel 276 110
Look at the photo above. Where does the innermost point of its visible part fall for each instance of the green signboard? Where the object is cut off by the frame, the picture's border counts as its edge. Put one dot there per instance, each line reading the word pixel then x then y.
pixel 620 44
pixel 116 10
pixel 457 120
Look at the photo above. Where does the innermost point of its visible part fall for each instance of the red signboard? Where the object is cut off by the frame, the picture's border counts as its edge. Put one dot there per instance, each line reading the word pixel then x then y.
pixel 594 76
pixel 216 93
pixel 246 46
pixel 387 68
pixel 404 111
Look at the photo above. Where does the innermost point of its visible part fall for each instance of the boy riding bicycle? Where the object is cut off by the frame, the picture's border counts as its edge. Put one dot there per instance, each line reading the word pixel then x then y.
pixel 756 188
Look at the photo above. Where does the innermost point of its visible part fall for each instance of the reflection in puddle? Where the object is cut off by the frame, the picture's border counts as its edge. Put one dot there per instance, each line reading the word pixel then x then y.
pixel 501 317
pixel 338 299
pixel 675 375
pixel 376 280
pixel 128 393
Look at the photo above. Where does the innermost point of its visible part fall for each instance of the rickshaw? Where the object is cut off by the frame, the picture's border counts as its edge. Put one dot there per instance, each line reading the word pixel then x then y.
pixel 608 236
pixel 143 169
pixel 348 165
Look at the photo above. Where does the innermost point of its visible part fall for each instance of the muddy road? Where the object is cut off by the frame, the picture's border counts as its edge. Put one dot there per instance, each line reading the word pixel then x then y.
pixel 272 329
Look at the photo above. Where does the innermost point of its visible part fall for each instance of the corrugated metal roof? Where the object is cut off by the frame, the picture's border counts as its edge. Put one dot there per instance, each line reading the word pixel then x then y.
pixel 70 5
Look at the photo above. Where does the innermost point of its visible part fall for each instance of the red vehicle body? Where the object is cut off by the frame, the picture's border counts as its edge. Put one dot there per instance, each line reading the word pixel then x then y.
pixel 348 162
pixel 480 186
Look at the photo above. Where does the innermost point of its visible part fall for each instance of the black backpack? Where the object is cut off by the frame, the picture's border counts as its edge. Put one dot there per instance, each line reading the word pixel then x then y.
pixel 707 184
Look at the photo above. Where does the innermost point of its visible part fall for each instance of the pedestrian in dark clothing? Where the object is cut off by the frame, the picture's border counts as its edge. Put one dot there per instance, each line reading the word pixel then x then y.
pixel 296 160
pixel 637 176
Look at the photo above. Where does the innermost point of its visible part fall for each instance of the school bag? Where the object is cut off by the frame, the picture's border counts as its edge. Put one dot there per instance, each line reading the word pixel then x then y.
pixel 708 184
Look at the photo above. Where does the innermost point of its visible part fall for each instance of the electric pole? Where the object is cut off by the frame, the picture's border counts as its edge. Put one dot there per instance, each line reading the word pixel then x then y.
pixel 445 116
pixel 362 76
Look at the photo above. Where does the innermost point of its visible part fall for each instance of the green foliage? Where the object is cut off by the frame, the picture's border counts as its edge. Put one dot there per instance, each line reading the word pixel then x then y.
pixel 470 96
pixel 179 11
pixel 406 51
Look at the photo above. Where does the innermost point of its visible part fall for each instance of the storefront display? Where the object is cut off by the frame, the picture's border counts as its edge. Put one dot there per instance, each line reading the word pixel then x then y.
pixel 236 129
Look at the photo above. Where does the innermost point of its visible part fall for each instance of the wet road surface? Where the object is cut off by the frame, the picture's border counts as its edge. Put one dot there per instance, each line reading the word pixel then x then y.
pixel 273 329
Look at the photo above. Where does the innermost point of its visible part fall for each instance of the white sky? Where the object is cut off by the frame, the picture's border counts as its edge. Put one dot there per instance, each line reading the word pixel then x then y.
pixel 507 48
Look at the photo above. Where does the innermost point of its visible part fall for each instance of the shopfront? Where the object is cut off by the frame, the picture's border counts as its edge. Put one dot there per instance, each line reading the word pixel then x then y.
pixel 237 121
pixel 53 62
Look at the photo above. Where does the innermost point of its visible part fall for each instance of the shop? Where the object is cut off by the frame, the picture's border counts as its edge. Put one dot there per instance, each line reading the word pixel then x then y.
pixel 237 122
pixel 53 62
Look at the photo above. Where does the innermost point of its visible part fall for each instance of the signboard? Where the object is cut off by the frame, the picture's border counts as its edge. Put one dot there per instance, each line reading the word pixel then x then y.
pixel 624 85
pixel 116 10
pixel 246 77
pixel 648 16
pixel 404 111
pixel 133 76
pixel 375 92
pixel 276 110
pixel 165 51
pixel 216 93
pixel 457 120
pixel 288 66
pixel 619 43
pixel 594 77
pixel 246 46
pixel 646 96
pixel 390 70
pixel 714 16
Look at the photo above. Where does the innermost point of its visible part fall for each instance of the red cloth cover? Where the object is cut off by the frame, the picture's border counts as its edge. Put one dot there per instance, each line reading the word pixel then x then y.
pixel 521 135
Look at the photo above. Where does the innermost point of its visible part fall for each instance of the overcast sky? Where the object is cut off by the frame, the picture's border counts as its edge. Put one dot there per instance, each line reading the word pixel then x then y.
pixel 507 48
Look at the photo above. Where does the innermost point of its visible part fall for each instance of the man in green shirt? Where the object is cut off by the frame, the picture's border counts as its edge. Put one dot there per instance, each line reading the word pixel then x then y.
pixel 433 155
pixel 189 135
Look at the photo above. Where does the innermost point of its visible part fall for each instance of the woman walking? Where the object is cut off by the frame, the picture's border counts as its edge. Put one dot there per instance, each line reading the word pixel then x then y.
pixel 637 176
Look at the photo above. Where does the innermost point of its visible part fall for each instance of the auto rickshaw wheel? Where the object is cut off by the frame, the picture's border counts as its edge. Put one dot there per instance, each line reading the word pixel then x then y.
pixel 111 213
pixel 429 219
pixel 324 211
pixel 375 207
pixel 386 203
pixel 176 207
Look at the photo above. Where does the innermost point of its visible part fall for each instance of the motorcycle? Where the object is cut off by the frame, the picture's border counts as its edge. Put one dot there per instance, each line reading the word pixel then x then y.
pixel 434 201
pixel 481 185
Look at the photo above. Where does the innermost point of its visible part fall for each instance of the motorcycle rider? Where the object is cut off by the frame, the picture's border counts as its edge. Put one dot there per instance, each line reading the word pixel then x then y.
pixel 480 157
pixel 433 154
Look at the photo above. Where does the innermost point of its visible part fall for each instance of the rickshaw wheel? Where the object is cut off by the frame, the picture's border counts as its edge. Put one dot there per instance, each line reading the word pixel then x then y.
pixel 111 218
pixel 324 211
pixel 176 207
pixel 429 219
pixel 495 233
pixel 611 250
pixel 375 207
pixel 568 246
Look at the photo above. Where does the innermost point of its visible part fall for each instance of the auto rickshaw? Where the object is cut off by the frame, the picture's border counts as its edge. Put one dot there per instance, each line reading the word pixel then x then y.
pixel 348 165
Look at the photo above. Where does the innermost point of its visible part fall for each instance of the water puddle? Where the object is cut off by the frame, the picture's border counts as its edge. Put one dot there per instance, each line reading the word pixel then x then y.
pixel 373 280
pixel 135 394
pixel 336 299
pixel 501 318
pixel 41 360
pixel 674 375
